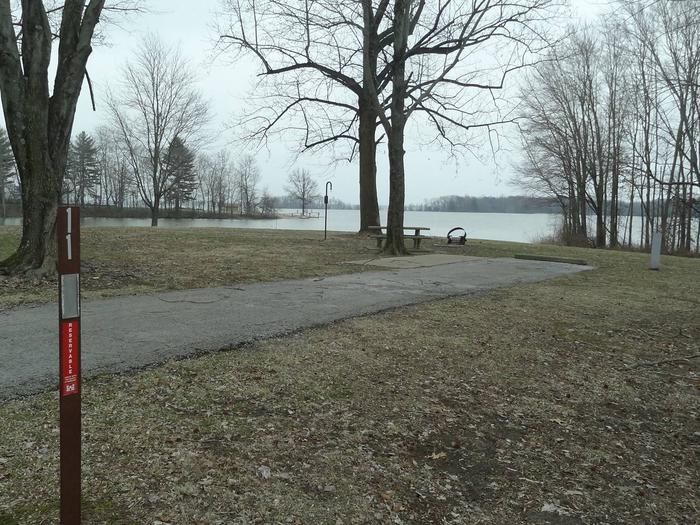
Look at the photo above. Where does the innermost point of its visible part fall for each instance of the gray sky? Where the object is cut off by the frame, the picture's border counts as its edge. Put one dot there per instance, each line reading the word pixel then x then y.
pixel 430 172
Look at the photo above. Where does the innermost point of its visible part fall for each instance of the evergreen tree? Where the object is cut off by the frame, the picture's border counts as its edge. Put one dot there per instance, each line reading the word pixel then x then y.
pixel 7 169
pixel 82 174
pixel 182 178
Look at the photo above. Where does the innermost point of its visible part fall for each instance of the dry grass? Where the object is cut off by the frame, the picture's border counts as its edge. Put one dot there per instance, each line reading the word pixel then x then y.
pixel 128 261
pixel 125 261
pixel 533 404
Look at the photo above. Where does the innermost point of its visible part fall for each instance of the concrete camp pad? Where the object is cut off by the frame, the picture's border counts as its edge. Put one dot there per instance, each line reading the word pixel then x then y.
pixel 415 261
pixel 125 333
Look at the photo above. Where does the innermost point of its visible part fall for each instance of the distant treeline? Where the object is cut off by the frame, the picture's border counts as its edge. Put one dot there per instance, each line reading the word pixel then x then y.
pixel 448 203
pixel 135 210
pixel 14 209
pixel 316 202
pixel 514 204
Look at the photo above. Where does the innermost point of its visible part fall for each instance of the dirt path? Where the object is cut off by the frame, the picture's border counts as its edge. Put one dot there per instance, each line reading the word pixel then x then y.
pixel 131 332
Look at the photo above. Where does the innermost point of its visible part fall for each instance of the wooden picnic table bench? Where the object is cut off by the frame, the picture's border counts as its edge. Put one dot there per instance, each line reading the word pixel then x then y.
pixel 416 237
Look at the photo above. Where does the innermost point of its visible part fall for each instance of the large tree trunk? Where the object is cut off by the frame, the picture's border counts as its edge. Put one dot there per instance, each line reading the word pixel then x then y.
pixel 41 176
pixel 614 203
pixel 36 252
pixel 689 224
pixel 155 212
pixel 631 213
pixel 397 183
pixel 647 230
pixel 600 233
pixel 369 206
pixel 394 234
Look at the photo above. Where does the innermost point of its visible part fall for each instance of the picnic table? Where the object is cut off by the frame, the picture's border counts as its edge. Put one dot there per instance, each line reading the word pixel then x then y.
pixel 417 237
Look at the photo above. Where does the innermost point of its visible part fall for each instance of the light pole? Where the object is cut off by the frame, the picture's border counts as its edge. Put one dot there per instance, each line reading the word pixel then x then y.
pixel 325 202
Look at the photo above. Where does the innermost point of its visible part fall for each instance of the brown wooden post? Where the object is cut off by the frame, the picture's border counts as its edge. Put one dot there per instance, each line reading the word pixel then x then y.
pixel 68 236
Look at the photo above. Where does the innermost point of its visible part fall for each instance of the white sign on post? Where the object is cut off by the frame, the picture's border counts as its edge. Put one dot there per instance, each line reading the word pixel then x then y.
pixel 70 296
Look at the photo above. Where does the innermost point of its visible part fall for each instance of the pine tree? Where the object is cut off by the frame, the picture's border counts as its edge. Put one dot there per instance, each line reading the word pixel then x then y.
pixel 7 169
pixel 179 163
pixel 82 174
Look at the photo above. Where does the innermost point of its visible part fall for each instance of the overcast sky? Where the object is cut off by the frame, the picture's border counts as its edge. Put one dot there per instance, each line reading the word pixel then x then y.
pixel 430 173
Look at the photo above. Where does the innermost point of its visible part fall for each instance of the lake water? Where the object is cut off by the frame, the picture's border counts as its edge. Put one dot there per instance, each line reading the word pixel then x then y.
pixel 518 227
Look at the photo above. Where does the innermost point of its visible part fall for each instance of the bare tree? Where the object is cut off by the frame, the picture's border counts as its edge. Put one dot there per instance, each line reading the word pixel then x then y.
pixel 364 47
pixel 575 113
pixel 268 204
pixel 247 179
pixel 39 120
pixel 666 53
pixel 322 59
pixel 216 178
pixel 113 163
pixel 431 75
pixel 157 103
pixel 613 113
pixel 301 186
pixel 616 78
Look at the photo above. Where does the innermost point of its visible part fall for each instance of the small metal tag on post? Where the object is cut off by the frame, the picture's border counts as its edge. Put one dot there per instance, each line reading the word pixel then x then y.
pixel 655 262
pixel 68 237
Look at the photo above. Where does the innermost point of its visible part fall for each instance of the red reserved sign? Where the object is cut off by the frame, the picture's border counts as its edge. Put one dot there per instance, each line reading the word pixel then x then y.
pixel 70 357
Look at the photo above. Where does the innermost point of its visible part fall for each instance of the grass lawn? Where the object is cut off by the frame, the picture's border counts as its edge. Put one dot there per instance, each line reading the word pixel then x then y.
pixel 118 261
pixel 127 261
pixel 571 401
